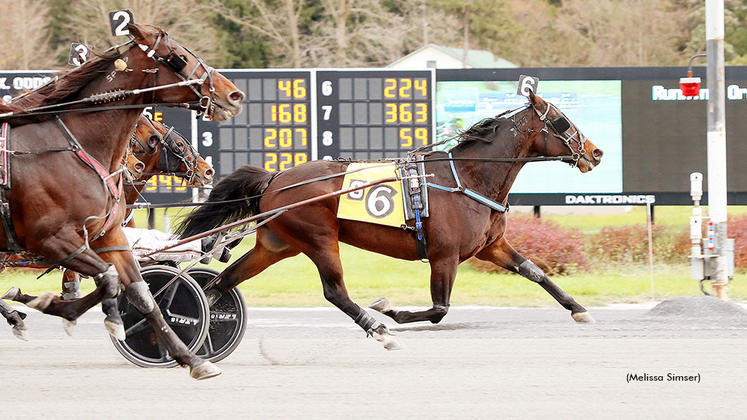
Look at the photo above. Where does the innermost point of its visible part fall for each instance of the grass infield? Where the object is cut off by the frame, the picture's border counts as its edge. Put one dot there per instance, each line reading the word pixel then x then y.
pixel 295 282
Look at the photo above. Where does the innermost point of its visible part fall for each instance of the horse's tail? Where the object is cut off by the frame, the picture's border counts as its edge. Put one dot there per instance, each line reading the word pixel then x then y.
pixel 229 201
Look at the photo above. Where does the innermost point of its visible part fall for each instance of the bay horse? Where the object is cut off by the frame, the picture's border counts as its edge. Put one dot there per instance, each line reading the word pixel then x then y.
pixel 467 213
pixel 66 152
pixel 171 154
pixel 154 149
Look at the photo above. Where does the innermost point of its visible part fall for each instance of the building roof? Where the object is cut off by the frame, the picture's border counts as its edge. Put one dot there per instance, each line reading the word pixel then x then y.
pixel 449 57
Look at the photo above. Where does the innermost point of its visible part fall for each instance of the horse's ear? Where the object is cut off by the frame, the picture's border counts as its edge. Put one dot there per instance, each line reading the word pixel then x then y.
pixel 536 101
pixel 139 33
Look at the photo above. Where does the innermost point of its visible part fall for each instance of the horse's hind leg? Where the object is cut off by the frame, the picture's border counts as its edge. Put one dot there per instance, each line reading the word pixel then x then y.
pixel 443 273
pixel 504 255
pixel 107 288
pixel 15 320
pixel 268 250
pixel 327 260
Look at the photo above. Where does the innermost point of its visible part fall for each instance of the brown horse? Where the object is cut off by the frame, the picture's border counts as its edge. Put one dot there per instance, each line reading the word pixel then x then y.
pixel 468 193
pixel 172 154
pixel 68 145
pixel 150 141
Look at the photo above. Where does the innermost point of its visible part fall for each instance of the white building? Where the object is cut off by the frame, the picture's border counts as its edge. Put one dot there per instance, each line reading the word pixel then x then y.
pixel 440 57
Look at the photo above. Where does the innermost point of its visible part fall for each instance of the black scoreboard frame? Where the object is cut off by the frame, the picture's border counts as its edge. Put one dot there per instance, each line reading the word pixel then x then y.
pixel 295 115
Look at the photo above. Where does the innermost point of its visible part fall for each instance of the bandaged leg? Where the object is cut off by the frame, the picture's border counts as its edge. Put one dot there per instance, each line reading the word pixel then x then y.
pixel 378 331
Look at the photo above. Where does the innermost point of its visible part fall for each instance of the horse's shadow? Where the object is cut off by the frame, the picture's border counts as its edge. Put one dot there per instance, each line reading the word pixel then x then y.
pixel 459 326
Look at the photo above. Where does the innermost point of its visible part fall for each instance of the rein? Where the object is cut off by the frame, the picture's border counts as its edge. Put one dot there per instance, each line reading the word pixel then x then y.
pixel 101 97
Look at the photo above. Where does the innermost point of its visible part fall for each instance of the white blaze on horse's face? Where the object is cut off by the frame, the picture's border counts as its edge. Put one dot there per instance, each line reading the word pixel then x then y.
pixel 585 154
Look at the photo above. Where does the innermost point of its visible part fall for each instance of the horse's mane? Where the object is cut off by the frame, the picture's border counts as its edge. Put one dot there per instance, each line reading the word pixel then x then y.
pixel 482 130
pixel 64 86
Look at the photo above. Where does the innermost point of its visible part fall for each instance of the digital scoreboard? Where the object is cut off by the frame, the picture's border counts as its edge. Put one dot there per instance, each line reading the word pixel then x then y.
pixel 373 114
pixel 293 116
pixel 274 131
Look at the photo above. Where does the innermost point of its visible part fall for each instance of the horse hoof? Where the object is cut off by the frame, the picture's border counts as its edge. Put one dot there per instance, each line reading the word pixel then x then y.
pixel 69 326
pixel 583 318
pixel 11 293
pixel 115 330
pixel 21 334
pixel 381 305
pixel 42 302
pixel 204 371
pixel 382 335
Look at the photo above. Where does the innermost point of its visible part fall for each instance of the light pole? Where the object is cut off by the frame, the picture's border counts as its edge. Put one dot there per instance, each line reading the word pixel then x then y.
pixel 717 203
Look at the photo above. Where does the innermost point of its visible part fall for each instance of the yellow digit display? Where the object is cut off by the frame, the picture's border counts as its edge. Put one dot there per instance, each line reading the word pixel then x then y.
pixel 281 161
pixel 299 91
pixel 391 88
pixel 405 113
pixel 286 138
pixel 421 133
pixel 405 134
pixel 169 182
pixel 165 180
pixel 299 113
pixel 152 184
pixel 404 89
pixel 391 113
pixel 272 135
pixel 293 89
pixel 421 112
pixel 285 87
pixel 422 86
pixel 302 132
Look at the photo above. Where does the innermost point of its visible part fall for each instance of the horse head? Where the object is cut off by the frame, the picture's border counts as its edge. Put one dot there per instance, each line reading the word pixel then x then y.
pixel 177 155
pixel 556 135
pixel 172 153
pixel 146 138
pixel 134 166
pixel 215 95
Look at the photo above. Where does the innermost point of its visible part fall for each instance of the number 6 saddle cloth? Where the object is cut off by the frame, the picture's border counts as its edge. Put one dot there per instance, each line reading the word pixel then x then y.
pixel 385 203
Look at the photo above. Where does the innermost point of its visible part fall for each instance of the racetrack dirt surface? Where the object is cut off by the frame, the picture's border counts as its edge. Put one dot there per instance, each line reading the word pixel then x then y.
pixel 479 363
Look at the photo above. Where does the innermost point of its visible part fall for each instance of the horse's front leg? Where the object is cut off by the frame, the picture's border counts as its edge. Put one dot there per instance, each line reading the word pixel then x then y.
pixel 504 255
pixel 138 294
pixel 443 273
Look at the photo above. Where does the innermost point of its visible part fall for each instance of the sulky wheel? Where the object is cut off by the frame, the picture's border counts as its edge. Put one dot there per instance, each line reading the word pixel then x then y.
pixel 183 305
pixel 227 319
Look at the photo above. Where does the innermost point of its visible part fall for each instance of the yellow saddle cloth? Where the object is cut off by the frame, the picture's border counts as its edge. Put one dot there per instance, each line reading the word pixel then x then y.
pixel 380 204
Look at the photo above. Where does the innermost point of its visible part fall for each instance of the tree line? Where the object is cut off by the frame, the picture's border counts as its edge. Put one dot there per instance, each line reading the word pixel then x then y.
pixel 36 34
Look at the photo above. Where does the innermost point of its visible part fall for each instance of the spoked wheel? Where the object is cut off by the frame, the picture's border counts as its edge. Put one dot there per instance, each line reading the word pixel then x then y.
pixel 227 319
pixel 183 305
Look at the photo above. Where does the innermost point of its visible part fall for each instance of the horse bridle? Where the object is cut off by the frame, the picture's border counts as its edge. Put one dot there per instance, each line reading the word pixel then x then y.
pixel 560 127
pixel 177 63
pixel 143 147
pixel 171 149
